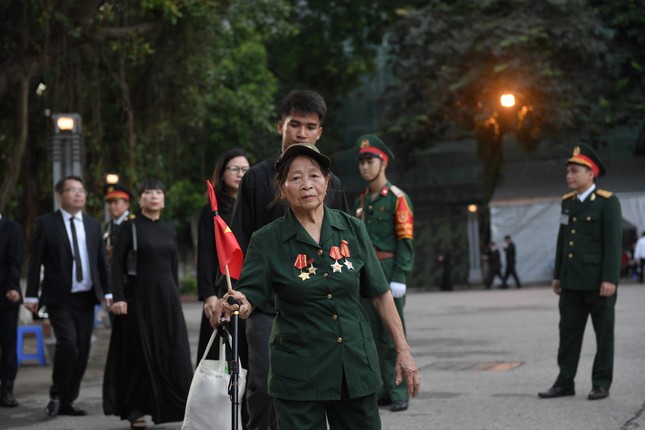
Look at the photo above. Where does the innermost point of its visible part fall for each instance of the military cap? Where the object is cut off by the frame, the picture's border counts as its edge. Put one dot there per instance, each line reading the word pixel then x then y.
pixel 303 149
pixel 116 191
pixel 584 155
pixel 370 146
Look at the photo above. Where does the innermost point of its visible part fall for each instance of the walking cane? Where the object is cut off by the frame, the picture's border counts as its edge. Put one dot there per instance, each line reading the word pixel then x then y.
pixel 234 363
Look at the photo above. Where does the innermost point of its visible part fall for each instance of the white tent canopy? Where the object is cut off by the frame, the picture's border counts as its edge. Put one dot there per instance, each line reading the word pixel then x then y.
pixel 526 206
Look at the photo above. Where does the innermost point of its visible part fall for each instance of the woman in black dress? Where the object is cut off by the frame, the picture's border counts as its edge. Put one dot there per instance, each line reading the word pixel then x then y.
pixel 148 369
pixel 227 175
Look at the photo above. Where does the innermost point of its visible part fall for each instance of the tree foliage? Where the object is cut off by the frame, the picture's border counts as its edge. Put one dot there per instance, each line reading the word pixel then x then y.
pixel 163 86
pixel 573 66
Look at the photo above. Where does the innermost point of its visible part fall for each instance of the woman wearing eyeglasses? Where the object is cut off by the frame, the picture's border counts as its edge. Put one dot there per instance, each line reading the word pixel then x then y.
pixel 228 172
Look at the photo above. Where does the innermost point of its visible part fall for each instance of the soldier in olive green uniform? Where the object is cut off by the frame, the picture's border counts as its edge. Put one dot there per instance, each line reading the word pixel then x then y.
pixel 387 213
pixel 587 270
pixel 319 262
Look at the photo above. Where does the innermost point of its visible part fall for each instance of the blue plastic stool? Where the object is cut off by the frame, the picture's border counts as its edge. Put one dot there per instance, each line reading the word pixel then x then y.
pixel 37 331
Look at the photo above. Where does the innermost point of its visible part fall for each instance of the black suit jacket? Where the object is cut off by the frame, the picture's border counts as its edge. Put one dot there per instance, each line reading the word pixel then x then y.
pixel 11 254
pixel 50 247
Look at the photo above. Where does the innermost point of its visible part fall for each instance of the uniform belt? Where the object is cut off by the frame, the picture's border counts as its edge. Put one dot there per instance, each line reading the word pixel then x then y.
pixel 382 255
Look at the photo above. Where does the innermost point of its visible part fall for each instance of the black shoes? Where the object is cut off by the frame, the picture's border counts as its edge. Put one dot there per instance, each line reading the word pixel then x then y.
pixel 395 406
pixel 384 401
pixel 71 409
pixel 55 407
pixel 556 391
pixel 399 405
pixel 52 407
pixel 598 393
pixel 7 400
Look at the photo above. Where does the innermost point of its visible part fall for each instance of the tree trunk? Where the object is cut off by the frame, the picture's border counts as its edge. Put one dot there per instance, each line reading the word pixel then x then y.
pixel 11 178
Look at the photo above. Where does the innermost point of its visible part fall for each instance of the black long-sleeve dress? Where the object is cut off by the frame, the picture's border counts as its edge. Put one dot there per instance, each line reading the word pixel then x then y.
pixel 148 369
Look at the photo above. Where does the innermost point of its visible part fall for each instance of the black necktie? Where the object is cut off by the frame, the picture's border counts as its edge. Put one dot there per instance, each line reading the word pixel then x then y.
pixel 77 254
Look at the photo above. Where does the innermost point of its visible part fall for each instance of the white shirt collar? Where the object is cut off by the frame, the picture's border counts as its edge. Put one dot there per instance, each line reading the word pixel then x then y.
pixel 67 215
pixel 584 195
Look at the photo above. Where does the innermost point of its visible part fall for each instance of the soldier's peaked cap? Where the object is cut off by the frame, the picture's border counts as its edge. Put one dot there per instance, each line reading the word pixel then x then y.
pixel 584 155
pixel 116 191
pixel 370 146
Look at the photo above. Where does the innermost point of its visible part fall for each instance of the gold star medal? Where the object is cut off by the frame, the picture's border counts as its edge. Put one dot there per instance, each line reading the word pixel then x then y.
pixel 344 250
pixel 301 263
pixel 335 254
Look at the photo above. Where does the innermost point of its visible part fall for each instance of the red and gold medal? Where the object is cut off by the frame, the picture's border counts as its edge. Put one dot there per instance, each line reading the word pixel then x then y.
pixel 336 255
pixel 301 263
pixel 344 251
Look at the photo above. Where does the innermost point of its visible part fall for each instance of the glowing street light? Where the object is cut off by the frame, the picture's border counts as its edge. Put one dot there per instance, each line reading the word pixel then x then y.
pixel 507 100
pixel 111 178
pixel 67 147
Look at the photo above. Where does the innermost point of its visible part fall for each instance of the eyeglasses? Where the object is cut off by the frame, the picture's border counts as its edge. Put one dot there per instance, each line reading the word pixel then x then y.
pixel 237 169
pixel 74 190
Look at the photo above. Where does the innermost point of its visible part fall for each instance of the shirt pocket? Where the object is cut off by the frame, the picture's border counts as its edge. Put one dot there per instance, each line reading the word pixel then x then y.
pixel 291 357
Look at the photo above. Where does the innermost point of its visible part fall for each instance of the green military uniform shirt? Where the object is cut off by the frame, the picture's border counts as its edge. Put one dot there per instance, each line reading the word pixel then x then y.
pixel 320 331
pixel 383 217
pixel 589 241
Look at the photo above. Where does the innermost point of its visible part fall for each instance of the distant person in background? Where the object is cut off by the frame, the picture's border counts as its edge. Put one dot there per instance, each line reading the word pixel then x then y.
pixel 445 259
pixel 494 259
pixel 118 199
pixel 148 369
pixel 11 254
pixel 509 250
pixel 586 274
pixel 639 256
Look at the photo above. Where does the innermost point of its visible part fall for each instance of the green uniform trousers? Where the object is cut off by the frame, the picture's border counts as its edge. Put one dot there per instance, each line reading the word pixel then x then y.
pixel 386 352
pixel 344 414
pixel 575 307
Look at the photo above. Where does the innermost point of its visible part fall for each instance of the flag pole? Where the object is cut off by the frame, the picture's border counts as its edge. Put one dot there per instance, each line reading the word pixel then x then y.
pixel 234 364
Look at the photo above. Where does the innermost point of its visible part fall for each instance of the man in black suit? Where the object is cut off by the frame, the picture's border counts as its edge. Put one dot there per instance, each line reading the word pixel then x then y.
pixel 510 252
pixel 11 253
pixel 68 244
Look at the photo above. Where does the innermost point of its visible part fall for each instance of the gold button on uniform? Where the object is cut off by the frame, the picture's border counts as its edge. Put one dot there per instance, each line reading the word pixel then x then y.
pixel 320 252
pixel 325 274
pixel 334 317
pixel 570 255
pixel 340 339
pixel 575 219
pixel 571 243
pixel 329 296
pixel 573 231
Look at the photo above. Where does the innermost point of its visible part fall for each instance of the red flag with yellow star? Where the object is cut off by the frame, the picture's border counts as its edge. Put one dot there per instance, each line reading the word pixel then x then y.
pixel 229 252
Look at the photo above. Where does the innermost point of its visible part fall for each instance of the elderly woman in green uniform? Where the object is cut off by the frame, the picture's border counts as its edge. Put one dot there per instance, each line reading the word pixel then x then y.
pixel 320 262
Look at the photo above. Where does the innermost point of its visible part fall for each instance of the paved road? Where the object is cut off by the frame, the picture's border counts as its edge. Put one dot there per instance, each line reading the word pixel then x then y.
pixel 483 356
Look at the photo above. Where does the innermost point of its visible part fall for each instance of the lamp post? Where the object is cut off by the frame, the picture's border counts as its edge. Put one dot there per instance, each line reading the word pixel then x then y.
pixel 110 179
pixel 68 154
pixel 474 256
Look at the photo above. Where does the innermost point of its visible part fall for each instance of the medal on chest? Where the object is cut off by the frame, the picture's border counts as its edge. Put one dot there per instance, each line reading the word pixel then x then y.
pixel 301 264
pixel 344 251
pixel 339 252
pixel 335 254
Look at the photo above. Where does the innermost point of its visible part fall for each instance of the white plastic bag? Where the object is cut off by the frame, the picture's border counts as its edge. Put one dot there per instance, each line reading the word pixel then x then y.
pixel 209 406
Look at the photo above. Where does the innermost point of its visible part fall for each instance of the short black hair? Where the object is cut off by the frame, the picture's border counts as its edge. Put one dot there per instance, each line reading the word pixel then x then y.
pixel 151 184
pixel 303 101
pixel 60 185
